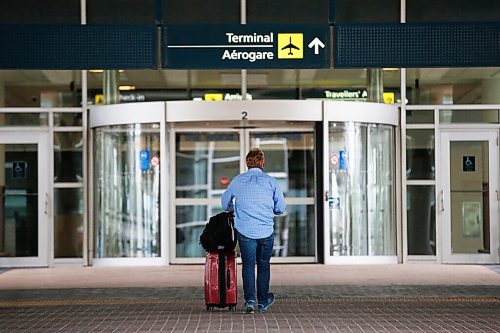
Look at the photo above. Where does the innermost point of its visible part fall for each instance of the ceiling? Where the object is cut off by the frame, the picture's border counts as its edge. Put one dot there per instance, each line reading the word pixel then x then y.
pixel 23 87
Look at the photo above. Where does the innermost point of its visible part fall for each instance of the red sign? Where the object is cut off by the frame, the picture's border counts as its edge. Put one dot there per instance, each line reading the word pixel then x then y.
pixel 155 160
pixel 224 181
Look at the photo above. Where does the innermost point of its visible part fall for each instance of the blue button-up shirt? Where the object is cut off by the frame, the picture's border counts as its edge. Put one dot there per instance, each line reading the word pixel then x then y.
pixel 257 198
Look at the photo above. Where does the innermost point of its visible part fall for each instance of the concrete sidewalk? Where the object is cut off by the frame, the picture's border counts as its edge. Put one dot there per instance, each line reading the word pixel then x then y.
pixel 309 298
pixel 281 275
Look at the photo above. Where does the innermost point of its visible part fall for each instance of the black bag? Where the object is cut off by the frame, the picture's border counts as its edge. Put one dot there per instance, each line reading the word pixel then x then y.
pixel 219 233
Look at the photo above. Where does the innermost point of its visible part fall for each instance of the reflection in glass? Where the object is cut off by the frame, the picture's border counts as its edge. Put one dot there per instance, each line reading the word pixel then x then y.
pixel 289 159
pixel 68 223
pixel 18 200
pixel 469 185
pixel 361 190
pixel 420 154
pixel 68 155
pixel 294 230
pixel 420 116
pixel 127 191
pixel 421 219
pixel 190 222
pixel 24 119
pixel 205 163
pixel 68 119
pixel 469 116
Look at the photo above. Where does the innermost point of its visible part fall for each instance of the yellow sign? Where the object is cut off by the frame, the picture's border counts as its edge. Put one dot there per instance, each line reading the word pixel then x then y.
pixel 290 46
pixel 99 99
pixel 214 97
pixel 388 97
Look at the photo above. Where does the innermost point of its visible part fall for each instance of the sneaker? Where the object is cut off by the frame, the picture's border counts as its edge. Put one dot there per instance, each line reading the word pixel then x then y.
pixel 270 301
pixel 249 307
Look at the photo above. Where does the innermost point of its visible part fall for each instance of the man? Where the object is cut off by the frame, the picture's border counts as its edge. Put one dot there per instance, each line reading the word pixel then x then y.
pixel 257 199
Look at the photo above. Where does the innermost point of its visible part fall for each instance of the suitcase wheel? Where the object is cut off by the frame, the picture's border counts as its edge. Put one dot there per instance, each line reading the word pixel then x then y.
pixel 210 308
pixel 232 308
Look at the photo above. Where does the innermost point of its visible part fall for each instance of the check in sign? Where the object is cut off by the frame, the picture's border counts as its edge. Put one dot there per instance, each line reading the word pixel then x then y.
pixel 246 46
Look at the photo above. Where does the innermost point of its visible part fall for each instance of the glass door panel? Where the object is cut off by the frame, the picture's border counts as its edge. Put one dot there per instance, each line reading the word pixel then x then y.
pixel 23 190
pixel 205 163
pixel 290 159
pixel 469 197
pixel 20 201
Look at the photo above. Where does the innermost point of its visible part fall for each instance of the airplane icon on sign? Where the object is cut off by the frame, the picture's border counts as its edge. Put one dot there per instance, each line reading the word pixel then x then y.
pixel 290 46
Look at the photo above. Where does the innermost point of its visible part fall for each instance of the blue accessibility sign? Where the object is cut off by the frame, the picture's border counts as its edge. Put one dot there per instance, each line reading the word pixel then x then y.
pixel 144 158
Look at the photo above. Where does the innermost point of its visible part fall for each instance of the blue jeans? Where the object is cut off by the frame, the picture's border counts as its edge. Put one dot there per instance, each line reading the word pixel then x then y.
pixel 260 251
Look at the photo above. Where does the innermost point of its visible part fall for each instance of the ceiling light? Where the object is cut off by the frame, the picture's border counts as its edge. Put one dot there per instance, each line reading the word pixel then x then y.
pixel 126 88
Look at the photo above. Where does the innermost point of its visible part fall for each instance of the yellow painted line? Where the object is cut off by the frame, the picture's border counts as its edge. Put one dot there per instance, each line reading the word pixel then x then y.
pixel 132 301
pixel 82 302
pixel 404 299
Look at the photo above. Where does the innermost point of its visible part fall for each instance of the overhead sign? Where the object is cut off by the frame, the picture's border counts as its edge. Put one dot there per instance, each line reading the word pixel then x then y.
pixel 246 46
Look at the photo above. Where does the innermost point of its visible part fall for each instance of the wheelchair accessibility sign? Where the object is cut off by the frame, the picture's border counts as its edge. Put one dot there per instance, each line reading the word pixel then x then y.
pixel 468 163
pixel 19 169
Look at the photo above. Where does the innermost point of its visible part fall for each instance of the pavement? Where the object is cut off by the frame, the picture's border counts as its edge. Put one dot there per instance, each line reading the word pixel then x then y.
pixel 309 298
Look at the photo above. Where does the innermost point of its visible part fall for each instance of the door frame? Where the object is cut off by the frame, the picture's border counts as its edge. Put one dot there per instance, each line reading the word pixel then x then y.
pixel 444 197
pixel 45 239
pixel 180 115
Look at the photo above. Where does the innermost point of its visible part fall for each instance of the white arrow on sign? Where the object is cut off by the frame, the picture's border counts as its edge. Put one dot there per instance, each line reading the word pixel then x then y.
pixel 316 43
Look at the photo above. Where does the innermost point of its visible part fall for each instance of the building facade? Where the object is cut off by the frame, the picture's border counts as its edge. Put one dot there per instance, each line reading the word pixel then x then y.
pixel 112 165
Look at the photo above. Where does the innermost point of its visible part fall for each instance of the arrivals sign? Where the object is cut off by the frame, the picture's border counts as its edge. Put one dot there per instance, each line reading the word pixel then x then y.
pixel 245 46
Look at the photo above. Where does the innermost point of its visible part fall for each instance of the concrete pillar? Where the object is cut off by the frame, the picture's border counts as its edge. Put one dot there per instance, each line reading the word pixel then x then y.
pixel 375 85
pixel 110 87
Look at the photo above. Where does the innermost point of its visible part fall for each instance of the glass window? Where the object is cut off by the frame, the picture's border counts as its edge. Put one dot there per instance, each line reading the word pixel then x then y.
pixel 287 11
pixel 41 12
pixel 362 11
pixel 421 219
pixel 468 116
pixel 127 191
pixel 121 11
pixel 40 88
pixel 68 223
pixel 67 119
pixel 453 85
pixel 420 116
pixel 24 119
pixel 68 155
pixel 452 11
pixel 420 154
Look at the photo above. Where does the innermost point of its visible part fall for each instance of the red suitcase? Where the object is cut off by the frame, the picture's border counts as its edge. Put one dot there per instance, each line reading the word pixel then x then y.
pixel 220 280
